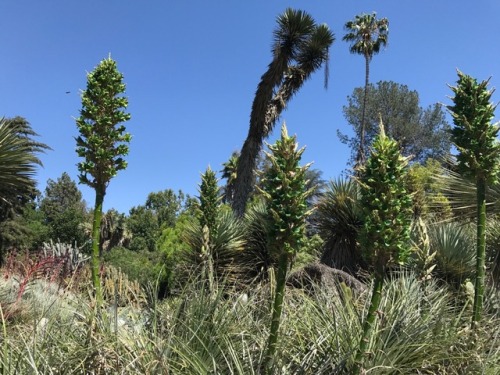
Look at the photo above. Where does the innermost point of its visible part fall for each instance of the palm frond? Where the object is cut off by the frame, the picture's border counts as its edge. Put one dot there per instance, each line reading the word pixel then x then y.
pixel 367 34
pixel 17 163
pixel 461 194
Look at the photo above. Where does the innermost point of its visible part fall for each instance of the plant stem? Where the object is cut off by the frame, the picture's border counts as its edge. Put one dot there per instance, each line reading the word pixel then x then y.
pixel 96 228
pixel 481 249
pixel 5 348
pixel 267 365
pixel 369 321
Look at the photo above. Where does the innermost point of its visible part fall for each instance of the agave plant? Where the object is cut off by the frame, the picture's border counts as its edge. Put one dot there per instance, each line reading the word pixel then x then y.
pixel 455 249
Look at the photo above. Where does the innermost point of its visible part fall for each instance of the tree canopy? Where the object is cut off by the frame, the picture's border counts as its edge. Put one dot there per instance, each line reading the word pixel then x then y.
pixel 64 210
pixel 420 132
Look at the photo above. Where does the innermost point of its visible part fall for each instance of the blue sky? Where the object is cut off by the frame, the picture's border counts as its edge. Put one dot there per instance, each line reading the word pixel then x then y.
pixel 192 68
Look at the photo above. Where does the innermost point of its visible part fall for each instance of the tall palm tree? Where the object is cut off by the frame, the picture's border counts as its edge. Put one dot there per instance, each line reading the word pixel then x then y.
pixel 300 47
pixel 367 35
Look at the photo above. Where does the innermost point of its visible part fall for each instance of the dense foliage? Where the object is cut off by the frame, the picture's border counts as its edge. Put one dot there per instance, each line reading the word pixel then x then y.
pixel 420 132
pixel 64 210
pixel 192 285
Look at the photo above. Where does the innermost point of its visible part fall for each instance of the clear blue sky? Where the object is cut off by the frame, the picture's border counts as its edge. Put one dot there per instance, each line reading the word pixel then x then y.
pixel 192 67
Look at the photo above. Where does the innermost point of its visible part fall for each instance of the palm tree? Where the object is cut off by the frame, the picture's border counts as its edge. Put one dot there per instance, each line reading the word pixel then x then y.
pixel 18 163
pixel 229 174
pixel 367 35
pixel 300 48
pixel 18 160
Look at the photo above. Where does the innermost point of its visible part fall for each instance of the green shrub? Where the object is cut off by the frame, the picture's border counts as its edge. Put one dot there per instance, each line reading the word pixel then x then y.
pixel 148 268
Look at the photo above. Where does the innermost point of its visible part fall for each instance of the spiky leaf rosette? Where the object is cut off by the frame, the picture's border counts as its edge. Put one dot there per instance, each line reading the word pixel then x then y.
pixel 387 205
pixel 284 188
pixel 103 142
pixel 473 134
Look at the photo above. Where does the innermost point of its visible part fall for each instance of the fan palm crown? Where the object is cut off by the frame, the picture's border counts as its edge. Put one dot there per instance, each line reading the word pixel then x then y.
pixel 367 35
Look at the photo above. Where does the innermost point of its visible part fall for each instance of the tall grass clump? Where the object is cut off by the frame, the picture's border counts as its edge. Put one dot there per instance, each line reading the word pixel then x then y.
pixel 421 330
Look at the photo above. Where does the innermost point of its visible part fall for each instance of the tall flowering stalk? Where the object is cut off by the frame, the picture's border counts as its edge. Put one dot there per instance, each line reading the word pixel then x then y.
pixel 284 188
pixel 387 211
pixel 475 137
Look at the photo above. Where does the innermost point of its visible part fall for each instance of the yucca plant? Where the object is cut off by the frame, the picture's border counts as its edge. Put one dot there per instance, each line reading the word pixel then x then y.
pixel 455 251
pixel 338 219
pixel 216 238
pixel 475 137
pixel 387 211
pixel 284 189
pixel 300 47
pixel 423 259
pixel 421 331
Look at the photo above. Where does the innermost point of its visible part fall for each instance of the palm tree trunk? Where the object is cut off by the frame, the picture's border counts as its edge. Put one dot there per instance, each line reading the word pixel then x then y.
pixel 267 365
pixel 253 144
pixel 96 231
pixel 245 174
pixel 481 250
pixel 247 161
pixel 370 320
pixel 361 150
